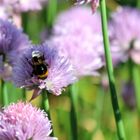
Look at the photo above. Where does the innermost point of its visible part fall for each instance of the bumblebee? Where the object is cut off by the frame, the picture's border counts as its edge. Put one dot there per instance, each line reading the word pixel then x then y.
pixel 40 68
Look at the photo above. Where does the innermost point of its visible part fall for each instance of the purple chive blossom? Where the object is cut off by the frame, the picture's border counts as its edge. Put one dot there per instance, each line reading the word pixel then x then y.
pixel 4 12
pixel 12 9
pixel 22 121
pixel 12 43
pixel 125 34
pixel 60 71
pixel 24 5
pixel 77 34
pixel 94 3
pixel 128 95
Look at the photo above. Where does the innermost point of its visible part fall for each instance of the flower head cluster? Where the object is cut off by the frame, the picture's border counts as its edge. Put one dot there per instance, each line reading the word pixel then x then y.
pixel 22 121
pixel 23 5
pixel 12 42
pixel 125 33
pixel 4 12
pixel 42 67
pixel 77 34
pixel 94 3
pixel 128 95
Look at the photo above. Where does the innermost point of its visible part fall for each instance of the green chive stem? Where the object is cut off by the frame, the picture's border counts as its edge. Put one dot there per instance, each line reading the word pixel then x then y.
pixel 136 81
pixel 109 65
pixel 4 93
pixel 51 12
pixel 73 118
pixel 46 106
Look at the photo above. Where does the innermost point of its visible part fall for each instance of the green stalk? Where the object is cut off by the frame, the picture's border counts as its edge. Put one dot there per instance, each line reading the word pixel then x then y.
pixel 51 12
pixel 23 92
pixel 136 80
pixel 73 118
pixel 25 22
pixel 100 105
pixel 138 3
pixel 4 94
pixel 109 65
pixel 25 29
pixel 46 106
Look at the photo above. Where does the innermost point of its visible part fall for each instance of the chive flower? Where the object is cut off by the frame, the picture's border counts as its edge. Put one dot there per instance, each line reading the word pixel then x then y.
pixel 12 42
pixel 128 95
pixel 77 34
pixel 43 67
pixel 125 34
pixel 4 12
pixel 24 5
pixel 22 121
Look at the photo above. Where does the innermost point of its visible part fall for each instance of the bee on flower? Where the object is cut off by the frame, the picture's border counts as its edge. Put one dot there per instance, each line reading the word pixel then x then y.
pixel 42 67
pixel 77 34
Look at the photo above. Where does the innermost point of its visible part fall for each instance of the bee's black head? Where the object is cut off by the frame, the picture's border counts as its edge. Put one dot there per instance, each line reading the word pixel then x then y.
pixel 37 56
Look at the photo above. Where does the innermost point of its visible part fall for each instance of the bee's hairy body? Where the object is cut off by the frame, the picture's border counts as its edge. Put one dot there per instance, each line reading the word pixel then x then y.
pixel 40 68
